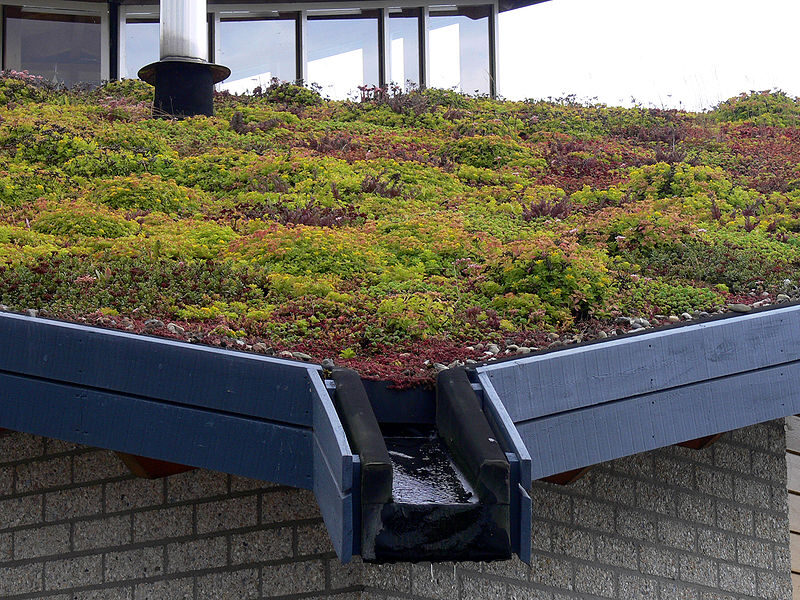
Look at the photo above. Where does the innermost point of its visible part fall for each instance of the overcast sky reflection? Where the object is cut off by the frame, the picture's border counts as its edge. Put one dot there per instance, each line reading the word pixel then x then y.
pixel 682 53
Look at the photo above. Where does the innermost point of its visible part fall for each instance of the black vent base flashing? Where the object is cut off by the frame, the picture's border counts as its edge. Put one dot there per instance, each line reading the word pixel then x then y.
pixel 184 87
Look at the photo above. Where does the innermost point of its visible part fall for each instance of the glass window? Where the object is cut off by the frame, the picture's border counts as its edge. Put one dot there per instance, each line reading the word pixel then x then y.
pixel 404 50
pixel 459 48
pixel 256 50
pixel 343 52
pixel 60 47
pixel 141 44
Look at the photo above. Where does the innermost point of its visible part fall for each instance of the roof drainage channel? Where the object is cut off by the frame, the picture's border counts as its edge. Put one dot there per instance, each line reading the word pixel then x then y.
pixel 437 491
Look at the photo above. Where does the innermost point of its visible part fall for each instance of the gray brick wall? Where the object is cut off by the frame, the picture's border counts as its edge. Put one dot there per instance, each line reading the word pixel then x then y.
pixel 670 524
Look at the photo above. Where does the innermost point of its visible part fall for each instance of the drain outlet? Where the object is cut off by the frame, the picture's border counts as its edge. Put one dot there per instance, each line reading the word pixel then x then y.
pixel 428 491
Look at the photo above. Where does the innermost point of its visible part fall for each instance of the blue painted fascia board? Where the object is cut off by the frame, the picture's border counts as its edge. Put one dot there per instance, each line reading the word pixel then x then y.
pixel 217 409
pixel 591 403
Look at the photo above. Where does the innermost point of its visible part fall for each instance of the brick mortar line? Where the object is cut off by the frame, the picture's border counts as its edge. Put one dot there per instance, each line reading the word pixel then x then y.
pixel 132 583
pixel 271 487
pixel 615 533
pixel 70 555
pixel 692 554
pixel 140 510
pixel 693 490
pixel 615 571
pixel 135 545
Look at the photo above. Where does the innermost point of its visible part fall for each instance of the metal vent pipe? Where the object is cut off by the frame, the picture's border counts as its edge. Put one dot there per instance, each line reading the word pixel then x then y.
pixel 183 78
pixel 184 33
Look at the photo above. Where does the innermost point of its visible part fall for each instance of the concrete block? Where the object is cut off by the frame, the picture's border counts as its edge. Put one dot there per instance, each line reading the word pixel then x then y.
pixel 231 513
pixel 695 508
pixel 283 504
pixel 755 553
pixel 237 584
pixel 735 518
pixel 704 456
pixel 193 485
pixel 247 484
pixel 638 465
pixel 733 578
pixel 54 446
pixel 770 467
pixel 595 581
pixel 637 587
pixel 552 572
pixel 478 587
pixel 755 436
pixel 518 592
pixel 172 589
pixel 439 582
pixel 162 523
pixel 754 493
pixel 677 591
pixel 73 572
pixel 261 546
pixel 193 555
pixel 313 539
pixel 655 498
pixel 616 552
pixel 351 574
pixel 293 578
pixel 677 534
pixel 140 563
pixel 73 503
pixel 550 502
pixel 698 569
pixel 106 593
pixel 133 493
pixel 779 501
pixel 41 541
pixel 44 474
pixel 714 482
pixel 20 446
pixel 391 578
pixel 636 524
pixel 771 527
pixel 783 558
pixel 611 486
pixel 592 514
pixel 654 560
pixel 25 579
pixel 716 544
pixel 576 543
pixel 674 472
pixel 774 586
pixel 540 536
pixel 6 546
pixel 21 511
pixel 98 465
pixel 6 480
pixel 511 569
pixel 108 532
pixel 731 457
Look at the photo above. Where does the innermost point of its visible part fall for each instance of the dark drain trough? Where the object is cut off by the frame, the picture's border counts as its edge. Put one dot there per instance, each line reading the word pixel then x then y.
pixel 428 491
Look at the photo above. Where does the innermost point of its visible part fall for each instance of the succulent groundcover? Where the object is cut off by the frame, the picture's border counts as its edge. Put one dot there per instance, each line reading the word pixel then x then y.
pixel 399 234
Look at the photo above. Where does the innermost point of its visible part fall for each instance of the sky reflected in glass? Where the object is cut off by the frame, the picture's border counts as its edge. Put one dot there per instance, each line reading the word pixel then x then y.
pixel 256 51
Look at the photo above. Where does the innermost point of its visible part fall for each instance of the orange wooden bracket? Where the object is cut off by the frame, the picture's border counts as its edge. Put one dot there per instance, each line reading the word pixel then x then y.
pixel 700 443
pixel 566 477
pixel 151 468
